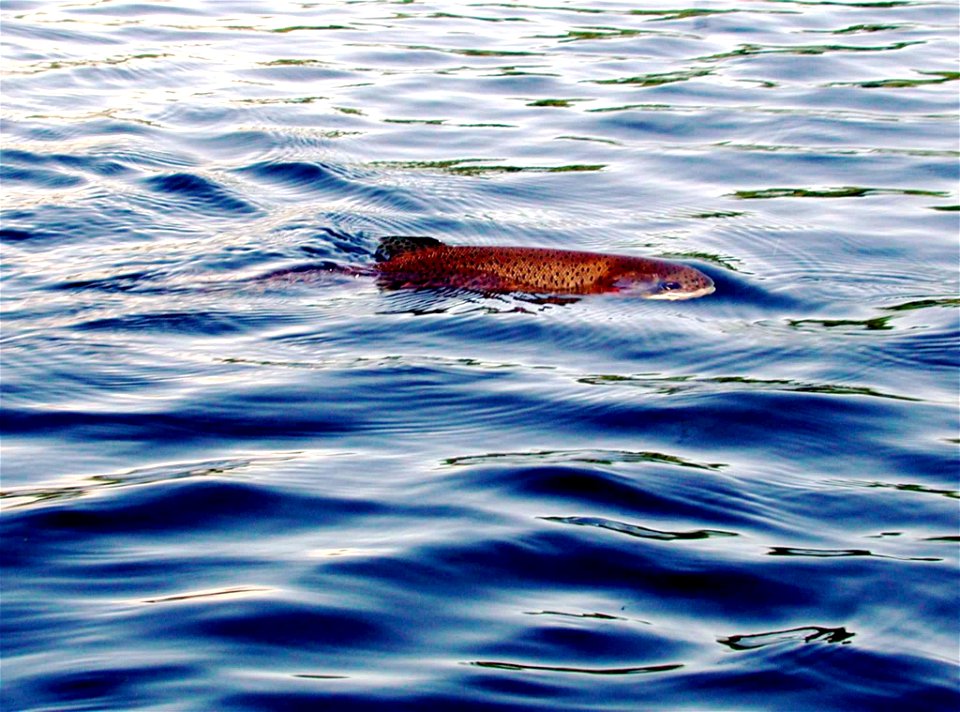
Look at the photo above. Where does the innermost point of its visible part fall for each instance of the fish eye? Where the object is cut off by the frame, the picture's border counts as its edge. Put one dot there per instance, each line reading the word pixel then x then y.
pixel 669 285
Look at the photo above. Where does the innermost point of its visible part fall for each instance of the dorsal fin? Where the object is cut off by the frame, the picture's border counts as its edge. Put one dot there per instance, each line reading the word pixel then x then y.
pixel 394 245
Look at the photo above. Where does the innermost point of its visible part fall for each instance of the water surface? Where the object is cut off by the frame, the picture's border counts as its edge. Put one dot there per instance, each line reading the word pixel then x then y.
pixel 227 493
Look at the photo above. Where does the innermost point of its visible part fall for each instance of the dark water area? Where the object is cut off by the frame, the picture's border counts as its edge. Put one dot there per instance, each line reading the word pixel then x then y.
pixel 227 492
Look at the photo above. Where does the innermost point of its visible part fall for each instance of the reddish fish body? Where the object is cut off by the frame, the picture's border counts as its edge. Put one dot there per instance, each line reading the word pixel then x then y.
pixel 423 262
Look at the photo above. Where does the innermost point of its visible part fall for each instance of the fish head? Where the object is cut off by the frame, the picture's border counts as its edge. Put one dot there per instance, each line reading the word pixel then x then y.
pixel 673 283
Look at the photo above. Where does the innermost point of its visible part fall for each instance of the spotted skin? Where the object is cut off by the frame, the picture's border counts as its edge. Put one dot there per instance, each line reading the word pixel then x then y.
pixel 426 263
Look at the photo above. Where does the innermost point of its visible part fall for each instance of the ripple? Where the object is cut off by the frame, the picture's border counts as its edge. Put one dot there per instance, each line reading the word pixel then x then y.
pixel 106 62
pixel 210 323
pixel 654 80
pixel 161 509
pixel 834 553
pixel 314 176
pixel 91 485
pixel 598 457
pixel 471 167
pixel 15 235
pixel 940 78
pixel 42 31
pixel 842 192
pixel 520 667
pixel 218 594
pixel 805 634
pixel 637 530
pixel 314 626
pixel 644 495
pixel 904 487
pixel 366 192
pixel 671 385
pixel 39 177
pixel 200 192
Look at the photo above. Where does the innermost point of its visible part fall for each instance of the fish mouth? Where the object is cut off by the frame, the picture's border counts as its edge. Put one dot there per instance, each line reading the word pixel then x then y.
pixel 676 296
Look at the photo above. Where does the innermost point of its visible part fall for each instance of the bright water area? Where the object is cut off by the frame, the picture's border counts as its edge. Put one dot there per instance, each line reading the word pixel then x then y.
pixel 223 492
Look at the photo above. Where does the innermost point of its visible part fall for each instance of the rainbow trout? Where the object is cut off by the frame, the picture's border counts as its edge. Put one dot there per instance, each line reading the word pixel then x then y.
pixel 424 262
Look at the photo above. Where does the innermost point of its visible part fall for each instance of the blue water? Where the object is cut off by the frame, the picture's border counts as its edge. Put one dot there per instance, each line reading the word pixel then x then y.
pixel 224 492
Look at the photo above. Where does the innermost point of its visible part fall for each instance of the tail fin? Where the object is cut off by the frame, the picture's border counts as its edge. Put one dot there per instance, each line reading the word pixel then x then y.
pixel 394 245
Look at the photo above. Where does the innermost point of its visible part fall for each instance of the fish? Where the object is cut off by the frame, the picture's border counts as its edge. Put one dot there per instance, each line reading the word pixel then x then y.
pixel 421 262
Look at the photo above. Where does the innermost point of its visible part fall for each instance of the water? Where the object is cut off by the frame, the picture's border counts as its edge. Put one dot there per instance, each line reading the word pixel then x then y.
pixel 225 493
